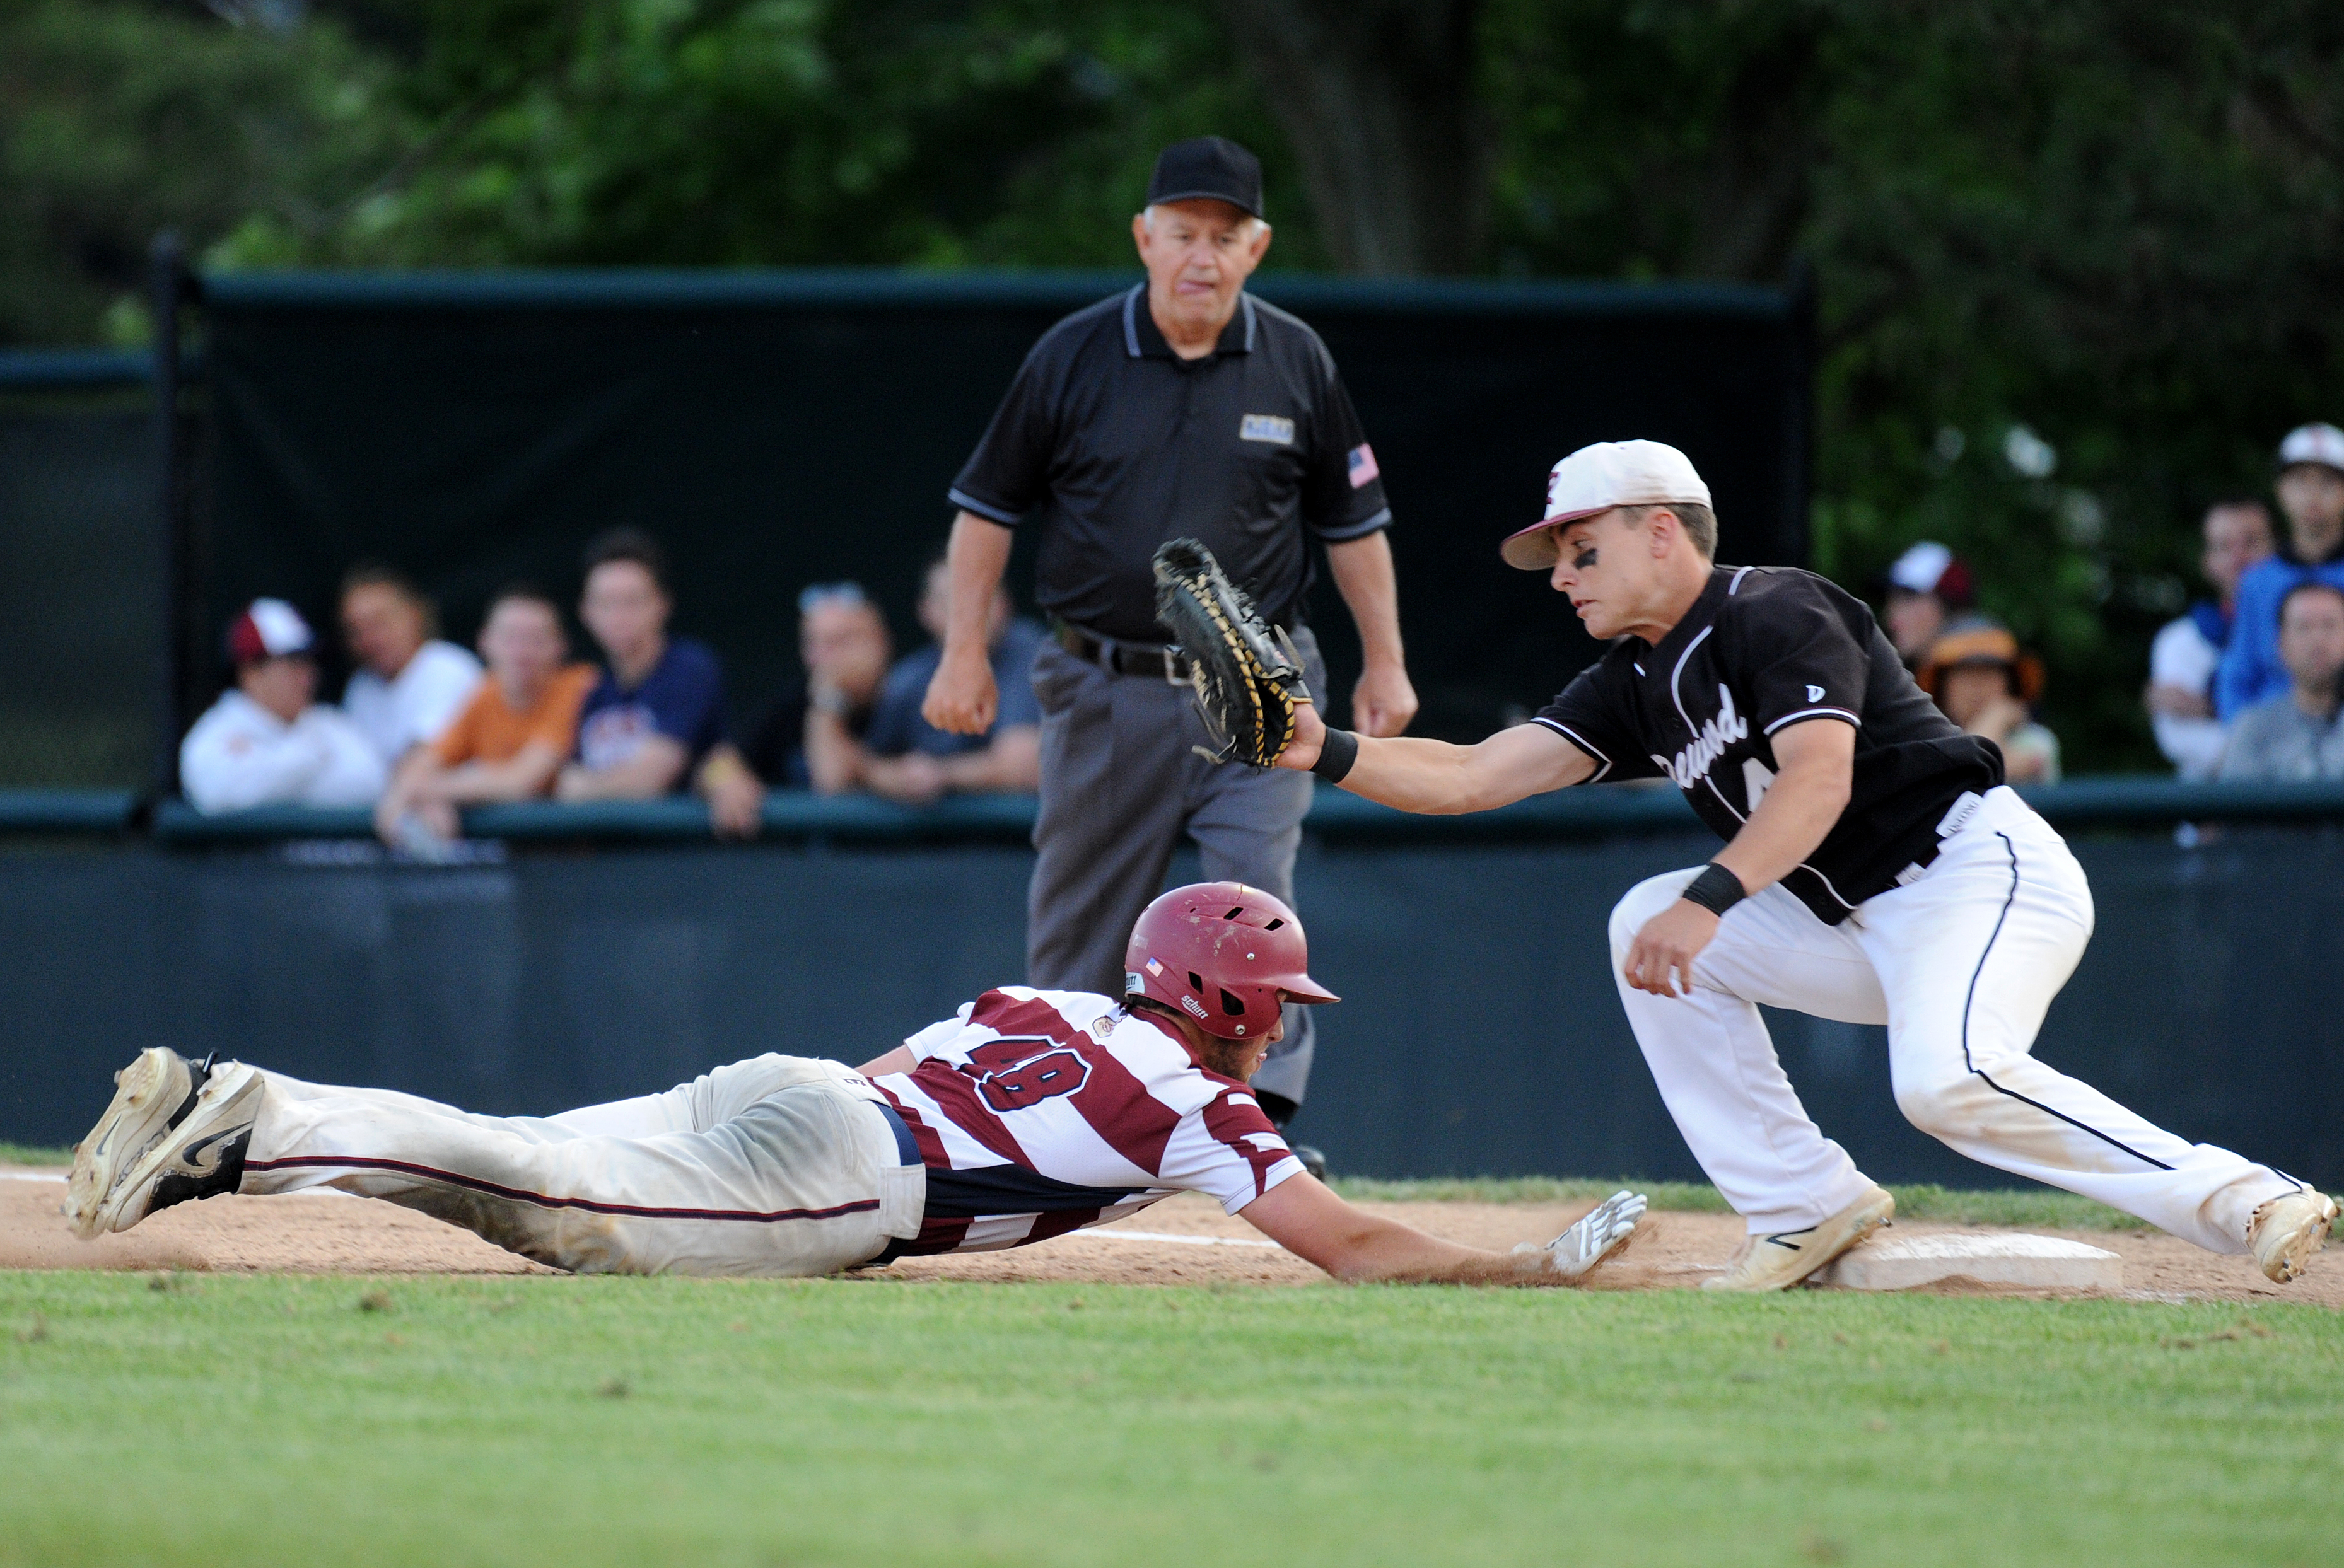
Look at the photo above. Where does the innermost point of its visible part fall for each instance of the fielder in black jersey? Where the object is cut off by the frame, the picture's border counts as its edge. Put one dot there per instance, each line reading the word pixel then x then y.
pixel 1762 649
pixel 1876 870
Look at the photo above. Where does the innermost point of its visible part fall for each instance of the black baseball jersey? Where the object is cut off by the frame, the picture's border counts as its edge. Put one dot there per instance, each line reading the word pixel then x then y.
pixel 1112 444
pixel 1762 647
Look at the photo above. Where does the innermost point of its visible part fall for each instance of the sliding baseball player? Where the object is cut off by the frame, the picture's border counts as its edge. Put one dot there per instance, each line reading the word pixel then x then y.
pixel 1876 870
pixel 1028 1114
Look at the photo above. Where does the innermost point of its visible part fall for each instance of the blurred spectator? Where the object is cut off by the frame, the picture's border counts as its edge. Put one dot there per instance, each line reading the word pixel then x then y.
pixel 2188 651
pixel 654 721
pixel 2311 493
pixel 2294 736
pixel 909 760
pixel 265 741
pixel 409 684
pixel 510 739
pixel 811 738
pixel 1989 688
pixel 1925 587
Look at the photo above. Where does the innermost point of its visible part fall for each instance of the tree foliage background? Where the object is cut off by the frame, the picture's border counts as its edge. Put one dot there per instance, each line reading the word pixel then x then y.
pixel 2078 260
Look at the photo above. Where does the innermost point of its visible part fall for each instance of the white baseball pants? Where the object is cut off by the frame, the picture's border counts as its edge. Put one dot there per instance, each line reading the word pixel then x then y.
pixel 1961 965
pixel 778 1165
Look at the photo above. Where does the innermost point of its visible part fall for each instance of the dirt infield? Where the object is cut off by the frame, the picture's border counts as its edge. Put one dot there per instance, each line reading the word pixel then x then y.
pixel 1185 1241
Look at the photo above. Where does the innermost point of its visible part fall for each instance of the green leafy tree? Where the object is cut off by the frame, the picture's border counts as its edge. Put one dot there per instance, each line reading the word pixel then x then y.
pixel 120 119
pixel 2109 228
pixel 2076 259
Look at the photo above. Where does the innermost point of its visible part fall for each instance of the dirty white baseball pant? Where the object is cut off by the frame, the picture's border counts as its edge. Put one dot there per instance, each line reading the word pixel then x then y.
pixel 1961 965
pixel 778 1165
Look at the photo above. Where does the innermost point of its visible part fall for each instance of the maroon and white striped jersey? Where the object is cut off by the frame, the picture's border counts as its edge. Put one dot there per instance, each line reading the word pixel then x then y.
pixel 1038 1112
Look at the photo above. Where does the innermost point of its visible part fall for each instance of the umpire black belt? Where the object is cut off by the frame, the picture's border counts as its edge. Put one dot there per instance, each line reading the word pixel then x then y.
pixel 1157 663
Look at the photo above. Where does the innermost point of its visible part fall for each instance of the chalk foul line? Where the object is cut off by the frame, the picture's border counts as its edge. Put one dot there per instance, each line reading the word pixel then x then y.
pixel 1121 1235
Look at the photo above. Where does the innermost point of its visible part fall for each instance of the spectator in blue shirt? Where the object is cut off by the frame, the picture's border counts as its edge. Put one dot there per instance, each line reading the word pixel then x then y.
pixel 654 722
pixel 907 759
pixel 2188 651
pixel 2311 493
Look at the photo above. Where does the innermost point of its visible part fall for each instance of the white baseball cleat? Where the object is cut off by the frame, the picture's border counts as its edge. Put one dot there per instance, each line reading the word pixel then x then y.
pixel 1599 1232
pixel 199 1152
pixel 146 1095
pixel 1779 1262
pixel 2288 1230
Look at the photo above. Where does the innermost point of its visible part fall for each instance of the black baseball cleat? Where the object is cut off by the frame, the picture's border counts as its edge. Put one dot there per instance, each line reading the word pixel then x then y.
pixel 1312 1161
pixel 139 1159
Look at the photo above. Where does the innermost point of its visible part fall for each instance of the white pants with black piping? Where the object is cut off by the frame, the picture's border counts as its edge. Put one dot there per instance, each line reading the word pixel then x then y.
pixel 1961 964
pixel 778 1165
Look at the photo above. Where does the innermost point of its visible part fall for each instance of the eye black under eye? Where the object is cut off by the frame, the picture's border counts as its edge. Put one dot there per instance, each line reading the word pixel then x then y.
pixel 1582 561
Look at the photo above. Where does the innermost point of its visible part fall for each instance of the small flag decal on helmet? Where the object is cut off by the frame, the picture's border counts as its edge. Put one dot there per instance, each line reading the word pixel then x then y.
pixel 1363 465
pixel 1155 969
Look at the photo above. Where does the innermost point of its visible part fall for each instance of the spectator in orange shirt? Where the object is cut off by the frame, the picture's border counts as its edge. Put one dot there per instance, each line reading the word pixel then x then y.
pixel 509 739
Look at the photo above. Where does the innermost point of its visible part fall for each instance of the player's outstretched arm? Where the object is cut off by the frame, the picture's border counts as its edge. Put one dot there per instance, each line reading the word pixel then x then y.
pixel 1306 1219
pixel 1438 778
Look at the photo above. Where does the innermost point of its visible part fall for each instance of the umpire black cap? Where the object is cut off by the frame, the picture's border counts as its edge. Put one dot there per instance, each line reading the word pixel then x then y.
pixel 1207 168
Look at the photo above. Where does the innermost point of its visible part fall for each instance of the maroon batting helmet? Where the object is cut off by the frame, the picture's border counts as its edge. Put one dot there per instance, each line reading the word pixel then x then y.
pixel 1223 953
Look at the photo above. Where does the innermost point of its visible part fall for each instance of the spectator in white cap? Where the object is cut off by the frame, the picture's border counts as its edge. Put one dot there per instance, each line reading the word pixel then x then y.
pixel 265 742
pixel 1926 586
pixel 2188 651
pixel 2311 493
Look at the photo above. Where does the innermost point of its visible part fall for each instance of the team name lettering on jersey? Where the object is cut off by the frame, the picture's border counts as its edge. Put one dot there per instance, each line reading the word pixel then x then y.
pixel 1695 760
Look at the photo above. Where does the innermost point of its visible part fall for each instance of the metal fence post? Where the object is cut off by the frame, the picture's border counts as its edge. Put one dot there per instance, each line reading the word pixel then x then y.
pixel 167 282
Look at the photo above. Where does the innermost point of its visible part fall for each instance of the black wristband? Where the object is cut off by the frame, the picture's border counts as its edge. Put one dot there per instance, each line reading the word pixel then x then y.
pixel 1336 755
pixel 1716 890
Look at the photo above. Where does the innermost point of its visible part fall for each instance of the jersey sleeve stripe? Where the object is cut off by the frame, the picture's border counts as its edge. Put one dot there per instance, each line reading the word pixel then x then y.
pixel 1240 1126
pixel 1583 743
pixel 1336 536
pixel 1815 713
pixel 967 502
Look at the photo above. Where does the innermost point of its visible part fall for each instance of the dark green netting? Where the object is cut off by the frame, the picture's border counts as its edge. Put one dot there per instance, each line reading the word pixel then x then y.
pixel 777 430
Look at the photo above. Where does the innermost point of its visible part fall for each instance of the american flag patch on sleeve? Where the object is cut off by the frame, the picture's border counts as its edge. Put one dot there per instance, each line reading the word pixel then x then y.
pixel 1363 465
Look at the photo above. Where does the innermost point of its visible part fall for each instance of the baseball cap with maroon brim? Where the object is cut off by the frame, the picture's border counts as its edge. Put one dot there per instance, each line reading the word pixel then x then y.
pixel 268 629
pixel 1593 480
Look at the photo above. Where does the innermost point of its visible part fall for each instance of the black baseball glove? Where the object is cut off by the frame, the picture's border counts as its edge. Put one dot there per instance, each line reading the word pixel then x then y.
pixel 1246 675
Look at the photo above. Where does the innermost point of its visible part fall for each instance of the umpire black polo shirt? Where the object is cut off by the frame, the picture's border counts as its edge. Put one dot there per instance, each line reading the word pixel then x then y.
pixel 1114 443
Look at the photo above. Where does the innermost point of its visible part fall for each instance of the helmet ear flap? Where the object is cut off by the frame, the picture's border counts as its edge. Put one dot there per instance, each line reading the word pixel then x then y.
pixel 1232 1005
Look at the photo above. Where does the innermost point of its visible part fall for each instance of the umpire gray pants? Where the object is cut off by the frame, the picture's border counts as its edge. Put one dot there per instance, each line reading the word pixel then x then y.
pixel 1119 788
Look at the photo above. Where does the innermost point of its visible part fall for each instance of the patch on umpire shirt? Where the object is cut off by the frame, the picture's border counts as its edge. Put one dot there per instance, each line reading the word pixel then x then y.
pixel 1271 428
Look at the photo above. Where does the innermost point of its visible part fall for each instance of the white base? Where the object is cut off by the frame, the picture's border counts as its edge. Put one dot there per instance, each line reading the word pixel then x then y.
pixel 1892 1262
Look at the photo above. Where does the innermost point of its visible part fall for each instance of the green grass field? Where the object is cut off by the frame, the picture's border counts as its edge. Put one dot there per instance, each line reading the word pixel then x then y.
pixel 202 1418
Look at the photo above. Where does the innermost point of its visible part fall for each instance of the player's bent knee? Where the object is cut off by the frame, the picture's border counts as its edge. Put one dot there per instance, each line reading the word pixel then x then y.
pixel 1945 1107
pixel 1641 902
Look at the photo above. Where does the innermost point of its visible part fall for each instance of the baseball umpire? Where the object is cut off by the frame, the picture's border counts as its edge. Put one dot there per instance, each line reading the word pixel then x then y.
pixel 1026 1115
pixel 1181 406
pixel 1877 871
